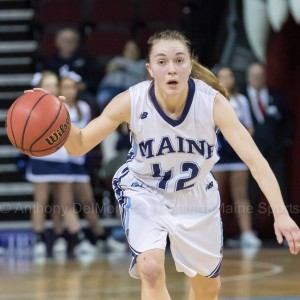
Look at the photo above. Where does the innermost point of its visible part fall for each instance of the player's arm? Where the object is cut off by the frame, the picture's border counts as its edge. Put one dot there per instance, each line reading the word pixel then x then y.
pixel 116 112
pixel 241 141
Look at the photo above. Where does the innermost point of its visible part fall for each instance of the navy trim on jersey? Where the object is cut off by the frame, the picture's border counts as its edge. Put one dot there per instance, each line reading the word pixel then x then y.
pixel 186 109
pixel 119 192
pixel 130 155
pixel 135 253
pixel 133 262
pixel 216 271
pixel 124 202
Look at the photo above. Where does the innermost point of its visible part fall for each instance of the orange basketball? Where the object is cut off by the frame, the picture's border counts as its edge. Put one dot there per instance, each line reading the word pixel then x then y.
pixel 38 123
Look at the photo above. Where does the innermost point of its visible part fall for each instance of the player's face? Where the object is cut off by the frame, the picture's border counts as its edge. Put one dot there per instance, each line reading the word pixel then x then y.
pixel 170 66
pixel 69 89
pixel 50 84
pixel 226 78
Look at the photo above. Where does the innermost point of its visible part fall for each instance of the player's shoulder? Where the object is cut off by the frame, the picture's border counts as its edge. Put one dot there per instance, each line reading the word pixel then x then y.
pixel 141 86
pixel 119 107
pixel 204 88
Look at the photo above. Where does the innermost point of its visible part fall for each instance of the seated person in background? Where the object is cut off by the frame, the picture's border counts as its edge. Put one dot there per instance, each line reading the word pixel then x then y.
pixel 273 128
pixel 69 52
pixel 121 73
pixel 116 151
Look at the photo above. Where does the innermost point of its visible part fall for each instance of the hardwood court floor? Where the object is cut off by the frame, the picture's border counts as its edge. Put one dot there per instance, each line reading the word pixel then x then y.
pixel 269 273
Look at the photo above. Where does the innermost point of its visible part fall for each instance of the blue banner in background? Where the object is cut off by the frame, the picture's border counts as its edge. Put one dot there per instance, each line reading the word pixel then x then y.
pixel 16 243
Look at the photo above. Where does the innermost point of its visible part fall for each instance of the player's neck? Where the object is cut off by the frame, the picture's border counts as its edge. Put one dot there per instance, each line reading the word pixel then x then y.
pixel 172 105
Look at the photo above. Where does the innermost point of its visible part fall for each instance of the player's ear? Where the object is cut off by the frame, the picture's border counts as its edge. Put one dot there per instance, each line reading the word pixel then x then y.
pixel 149 70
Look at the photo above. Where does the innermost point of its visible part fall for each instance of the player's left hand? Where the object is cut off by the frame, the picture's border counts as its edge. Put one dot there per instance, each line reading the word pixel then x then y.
pixel 286 228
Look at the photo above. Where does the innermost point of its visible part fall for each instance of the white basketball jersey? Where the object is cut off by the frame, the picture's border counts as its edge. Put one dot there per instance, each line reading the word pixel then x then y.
pixel 168 154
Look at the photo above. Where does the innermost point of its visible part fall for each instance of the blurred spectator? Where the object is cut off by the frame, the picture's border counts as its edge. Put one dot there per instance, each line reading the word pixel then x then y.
pixel 80 114
pixel 121 73
pixel 231 168
pixel 272 126
pixel 51 175
pixel 120 144
pixel 70 52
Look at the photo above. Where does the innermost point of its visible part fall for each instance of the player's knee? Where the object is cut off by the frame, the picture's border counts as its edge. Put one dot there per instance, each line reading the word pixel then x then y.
pixel 212 289
pixel 151 272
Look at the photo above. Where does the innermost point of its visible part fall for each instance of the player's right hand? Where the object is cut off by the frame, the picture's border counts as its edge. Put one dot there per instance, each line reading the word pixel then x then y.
pixel 62 98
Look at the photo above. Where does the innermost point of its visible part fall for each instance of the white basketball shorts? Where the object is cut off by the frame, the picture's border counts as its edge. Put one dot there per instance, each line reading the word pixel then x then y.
pixel 191 219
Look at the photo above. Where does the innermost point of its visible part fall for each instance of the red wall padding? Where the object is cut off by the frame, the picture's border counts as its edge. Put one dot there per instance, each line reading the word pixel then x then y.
pixel 283 72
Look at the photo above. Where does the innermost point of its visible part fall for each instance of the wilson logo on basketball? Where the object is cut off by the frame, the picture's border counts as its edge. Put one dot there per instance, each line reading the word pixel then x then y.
pixel 56 135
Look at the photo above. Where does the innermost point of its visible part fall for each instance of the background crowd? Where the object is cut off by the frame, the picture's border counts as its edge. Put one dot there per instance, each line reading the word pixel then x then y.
pixel 90 81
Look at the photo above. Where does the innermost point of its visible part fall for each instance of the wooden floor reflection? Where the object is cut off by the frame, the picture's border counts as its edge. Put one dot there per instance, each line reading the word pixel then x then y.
pixel 268 273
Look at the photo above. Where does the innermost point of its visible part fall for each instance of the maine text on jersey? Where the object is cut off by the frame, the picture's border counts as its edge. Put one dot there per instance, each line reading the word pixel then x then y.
pixel 150 148
pixel 172 154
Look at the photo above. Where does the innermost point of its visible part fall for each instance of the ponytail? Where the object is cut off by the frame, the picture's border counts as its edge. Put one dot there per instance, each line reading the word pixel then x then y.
pixel 204 74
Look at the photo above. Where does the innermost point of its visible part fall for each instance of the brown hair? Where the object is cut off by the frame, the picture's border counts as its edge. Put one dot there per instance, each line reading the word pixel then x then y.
pixel 234 89
pixel 79 112
pixel 45 74
pixel 198 71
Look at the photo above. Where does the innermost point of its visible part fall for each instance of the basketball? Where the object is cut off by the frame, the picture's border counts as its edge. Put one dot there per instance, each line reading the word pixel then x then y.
pixel 38 123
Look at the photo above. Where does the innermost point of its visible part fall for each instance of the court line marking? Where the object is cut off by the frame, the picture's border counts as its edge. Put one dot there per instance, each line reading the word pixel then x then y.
pixel 273 270
pixel 176 286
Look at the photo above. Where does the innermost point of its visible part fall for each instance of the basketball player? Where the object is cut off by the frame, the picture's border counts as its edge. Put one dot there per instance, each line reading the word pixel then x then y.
pixel 165 187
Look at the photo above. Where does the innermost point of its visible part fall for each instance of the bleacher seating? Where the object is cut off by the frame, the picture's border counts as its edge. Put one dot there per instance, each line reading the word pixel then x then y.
pixel 107 42
pixel 112 12
pixel 111 23
pixel 166 11
pixel 47 42
pixel 106 24
pixel 60 12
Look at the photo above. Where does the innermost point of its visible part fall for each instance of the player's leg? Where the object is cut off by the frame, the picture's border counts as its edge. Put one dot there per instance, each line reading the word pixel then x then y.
pixel 41 197
pixel 203 288
pixel 196 238
pixel 146 235
pixel 152 272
